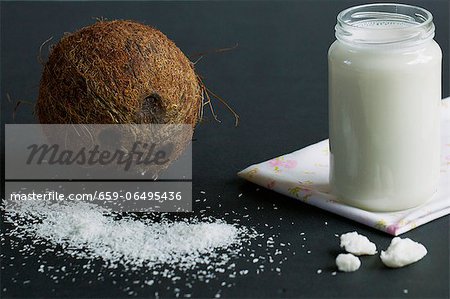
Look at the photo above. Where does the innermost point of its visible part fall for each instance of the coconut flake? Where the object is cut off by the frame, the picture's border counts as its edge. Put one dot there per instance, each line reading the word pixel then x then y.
pixel 347 262
pixel 357 244
pixel 402 252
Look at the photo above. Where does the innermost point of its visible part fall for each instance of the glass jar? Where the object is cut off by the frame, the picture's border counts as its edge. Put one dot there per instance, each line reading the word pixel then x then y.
pixel 384 99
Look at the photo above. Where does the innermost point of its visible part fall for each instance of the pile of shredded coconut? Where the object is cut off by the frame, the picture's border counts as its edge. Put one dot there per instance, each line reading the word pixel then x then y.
pixel 170 254
pixel 91 231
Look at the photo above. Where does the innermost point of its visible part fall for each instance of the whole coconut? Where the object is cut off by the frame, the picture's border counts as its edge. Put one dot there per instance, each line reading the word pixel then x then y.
pixel 118 72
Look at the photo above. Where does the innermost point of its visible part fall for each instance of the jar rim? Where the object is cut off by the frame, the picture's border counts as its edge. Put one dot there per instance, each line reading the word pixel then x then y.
pixel 384 23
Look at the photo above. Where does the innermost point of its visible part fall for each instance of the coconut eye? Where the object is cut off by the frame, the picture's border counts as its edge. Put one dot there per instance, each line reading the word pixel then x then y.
pixel 167 149
pixel 152 110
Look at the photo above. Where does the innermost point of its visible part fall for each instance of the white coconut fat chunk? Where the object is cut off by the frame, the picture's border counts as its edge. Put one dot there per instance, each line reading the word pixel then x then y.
pixel 347 262
pixel 402 252
pixel 357 244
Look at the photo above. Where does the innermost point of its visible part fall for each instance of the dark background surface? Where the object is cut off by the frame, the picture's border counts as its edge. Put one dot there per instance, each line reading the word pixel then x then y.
pixel 277 81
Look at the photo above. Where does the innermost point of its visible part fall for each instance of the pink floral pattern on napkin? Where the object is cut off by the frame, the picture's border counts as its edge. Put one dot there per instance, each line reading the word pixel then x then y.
pixel 279 163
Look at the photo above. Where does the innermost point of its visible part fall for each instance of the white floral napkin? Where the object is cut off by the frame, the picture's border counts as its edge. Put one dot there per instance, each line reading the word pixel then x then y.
pixel 303 175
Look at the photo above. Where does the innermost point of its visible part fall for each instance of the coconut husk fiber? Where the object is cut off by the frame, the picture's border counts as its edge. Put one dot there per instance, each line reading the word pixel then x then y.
pixel 118 72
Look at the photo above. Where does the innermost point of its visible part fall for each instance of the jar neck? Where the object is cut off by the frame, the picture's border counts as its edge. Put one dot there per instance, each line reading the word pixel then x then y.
pixel 384 25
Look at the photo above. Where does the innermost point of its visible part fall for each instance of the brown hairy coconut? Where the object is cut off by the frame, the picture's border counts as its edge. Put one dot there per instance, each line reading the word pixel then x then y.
pixel 121 72
pixel 118 72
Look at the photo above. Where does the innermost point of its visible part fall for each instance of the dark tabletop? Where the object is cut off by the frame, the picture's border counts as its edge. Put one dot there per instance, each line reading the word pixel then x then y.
pixel 276 79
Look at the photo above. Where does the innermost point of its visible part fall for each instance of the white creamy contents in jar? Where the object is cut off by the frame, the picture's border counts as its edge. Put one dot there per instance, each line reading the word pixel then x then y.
pixel 357 244
pixel 347 262
pixel 402 252
pixel 384 97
